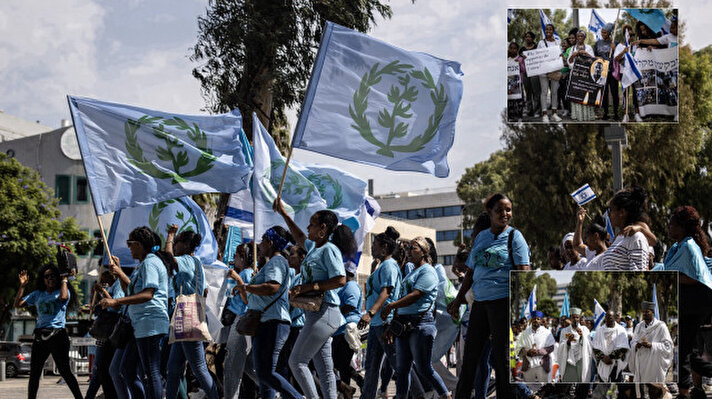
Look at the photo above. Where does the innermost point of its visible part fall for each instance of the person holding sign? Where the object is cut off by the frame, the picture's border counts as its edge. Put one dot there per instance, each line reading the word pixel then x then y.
pixel 549 81
pixel 602 49
pixel 581 112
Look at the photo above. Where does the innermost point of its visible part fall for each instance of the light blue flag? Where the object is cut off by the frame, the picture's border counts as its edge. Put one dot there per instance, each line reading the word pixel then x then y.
pixel 544 20
pixel 654 18
pixel 307 188
pixel 135 156
pixel 565 306
pixel 183 212
pixel 655 301
pixel 595 24
pixel 609 228
pixel 373 103
pixel 598 314
pixel 234 238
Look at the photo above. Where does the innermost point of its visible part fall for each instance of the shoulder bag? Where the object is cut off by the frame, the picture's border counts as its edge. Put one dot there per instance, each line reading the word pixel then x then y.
pixel 250 321
pixel 189 322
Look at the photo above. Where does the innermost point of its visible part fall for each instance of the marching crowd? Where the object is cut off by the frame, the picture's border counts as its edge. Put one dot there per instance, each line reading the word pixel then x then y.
pixel 294 322
pixel 544 96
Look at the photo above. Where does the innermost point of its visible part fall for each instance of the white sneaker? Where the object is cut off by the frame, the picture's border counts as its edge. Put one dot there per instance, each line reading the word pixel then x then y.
pixel 637 118
pixel 537 115
pixel 545 118
pixel 564 113
pixel 625 119
pixel 556 118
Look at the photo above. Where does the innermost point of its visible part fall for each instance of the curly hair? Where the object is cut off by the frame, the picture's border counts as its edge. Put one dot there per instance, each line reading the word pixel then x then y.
pixel 41 286
pixel 688 218
pixel 191 239
pixel 634 201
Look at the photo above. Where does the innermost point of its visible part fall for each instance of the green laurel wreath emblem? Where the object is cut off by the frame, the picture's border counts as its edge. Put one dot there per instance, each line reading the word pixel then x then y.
pixel 294 187
pixel 401 95
pixel 321 181
pixel 179 159
pixel 188 221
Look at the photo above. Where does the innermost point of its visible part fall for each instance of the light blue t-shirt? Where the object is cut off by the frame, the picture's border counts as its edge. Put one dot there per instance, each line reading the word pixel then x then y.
pixel 386 275
pixel 407 268
pixel 51 312
pixel 321 264
pixel 443 286
pixel 425 280
pixel 296 314
pixel 184 279
pixel 686 257
pixel 350 294
pixel 116 292
pixel 150 318
pixel 276 270
pixel 236 305
pixel 489 258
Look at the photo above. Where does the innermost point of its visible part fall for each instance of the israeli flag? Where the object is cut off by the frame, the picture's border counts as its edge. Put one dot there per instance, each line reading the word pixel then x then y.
pixel 631 73
pixel 655 301
pixel 510 15
pixel 365 222
pixel 583 195
pixel 183 212
pixel 544 20
pixel 376 104
pixel 654 18
pixel 609 228
pixel 595 24
pixel 531 304
pixel 135 156
pixel 307 188
pixel 598 314
pixel 565 306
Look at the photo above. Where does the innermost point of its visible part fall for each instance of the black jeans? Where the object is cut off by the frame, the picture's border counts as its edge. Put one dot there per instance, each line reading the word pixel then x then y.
pixel 486 318
pixel 58 347
pixel 612 87
pixel 342 354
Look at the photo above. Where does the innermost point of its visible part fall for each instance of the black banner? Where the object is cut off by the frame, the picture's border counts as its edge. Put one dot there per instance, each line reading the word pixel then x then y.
pixel 587 80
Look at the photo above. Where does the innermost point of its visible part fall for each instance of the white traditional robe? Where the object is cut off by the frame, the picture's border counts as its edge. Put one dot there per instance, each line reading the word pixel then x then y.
pixel 651 364
pixel 539 339
pixel 608 340
pixel 579 351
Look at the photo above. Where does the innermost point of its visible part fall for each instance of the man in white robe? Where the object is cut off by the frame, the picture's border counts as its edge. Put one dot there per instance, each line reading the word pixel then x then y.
pixel 574 354
pixel 610 349
pixel 534 346
pixel 651 348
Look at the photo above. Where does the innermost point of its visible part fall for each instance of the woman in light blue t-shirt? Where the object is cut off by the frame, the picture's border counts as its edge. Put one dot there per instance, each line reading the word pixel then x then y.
pixel 268 294
pixel 415 308
pixel 189 279
pixel 147 290
pixel 495 252
pixel 327 243
pixel 51 298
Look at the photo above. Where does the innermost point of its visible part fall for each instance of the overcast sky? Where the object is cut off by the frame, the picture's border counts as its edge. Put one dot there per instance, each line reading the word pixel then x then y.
pixel 136 52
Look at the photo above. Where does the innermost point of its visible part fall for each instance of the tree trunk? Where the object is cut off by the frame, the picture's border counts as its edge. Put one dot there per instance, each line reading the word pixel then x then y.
pixel 616 300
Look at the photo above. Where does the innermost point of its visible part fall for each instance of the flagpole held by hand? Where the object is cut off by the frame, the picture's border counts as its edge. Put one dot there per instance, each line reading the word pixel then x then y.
pixel 284 174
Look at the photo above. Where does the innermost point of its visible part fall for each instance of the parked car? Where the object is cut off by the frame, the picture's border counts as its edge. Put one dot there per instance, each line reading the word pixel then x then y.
pixel 16 356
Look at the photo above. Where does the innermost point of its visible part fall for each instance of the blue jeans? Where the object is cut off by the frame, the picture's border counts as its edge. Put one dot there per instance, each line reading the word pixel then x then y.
pixel 237 362
pixel 149 352
pixel 126 371
pixel 484 372
pixel 522 390
pixel 194 353
pixel 416 348
pixel 376 348
pixel 267 344
pixel 314 342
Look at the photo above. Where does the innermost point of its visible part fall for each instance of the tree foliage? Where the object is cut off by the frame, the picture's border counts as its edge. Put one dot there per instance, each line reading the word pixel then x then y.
pixel 29 226
pixel 257 55
pixel 523 284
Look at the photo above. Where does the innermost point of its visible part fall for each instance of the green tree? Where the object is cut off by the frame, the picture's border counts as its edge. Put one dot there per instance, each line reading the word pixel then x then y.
pixel 522 284
pixel 29 225
pixel 527 20
pixel 548 306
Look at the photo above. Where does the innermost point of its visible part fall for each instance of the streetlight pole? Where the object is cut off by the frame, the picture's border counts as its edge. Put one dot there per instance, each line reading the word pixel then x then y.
pixel 616 139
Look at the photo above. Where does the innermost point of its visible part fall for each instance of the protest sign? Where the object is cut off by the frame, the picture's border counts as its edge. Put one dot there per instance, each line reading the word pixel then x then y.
pixel 657 88
pixel 514 81
pixel 587 80
pixel 543 60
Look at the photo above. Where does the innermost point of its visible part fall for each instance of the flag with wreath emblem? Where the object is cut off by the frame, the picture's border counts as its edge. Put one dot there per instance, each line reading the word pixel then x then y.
pixel 135 156
pixel 307 188
pixel 373 103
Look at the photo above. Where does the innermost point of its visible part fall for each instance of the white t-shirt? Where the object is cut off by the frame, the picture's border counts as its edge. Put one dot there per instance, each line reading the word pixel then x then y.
pixel 668 39
pixel 543 43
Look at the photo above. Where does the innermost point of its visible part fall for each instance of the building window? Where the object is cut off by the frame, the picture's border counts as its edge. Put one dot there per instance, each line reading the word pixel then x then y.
pixel 99 248
pixel 399 214
pixel 446 259
pixel 81 190
pixel 63 188
pixel 446 235
pixel 416 213
pixel 455 210
pixel 434 212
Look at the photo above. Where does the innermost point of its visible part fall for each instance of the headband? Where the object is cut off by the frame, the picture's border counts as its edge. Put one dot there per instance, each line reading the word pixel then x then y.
pixel 277 240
